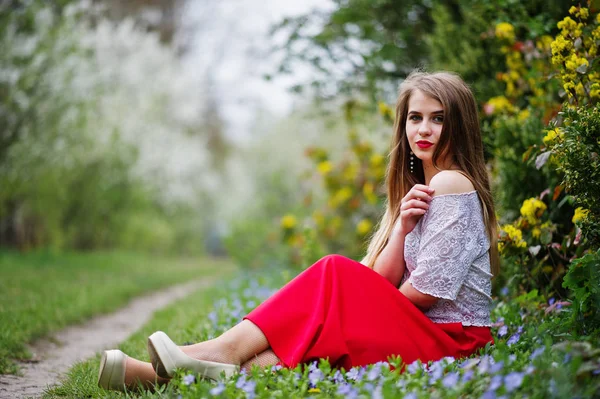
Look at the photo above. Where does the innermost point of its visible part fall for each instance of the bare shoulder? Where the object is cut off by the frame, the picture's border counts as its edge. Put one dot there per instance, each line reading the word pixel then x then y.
pixel 450 182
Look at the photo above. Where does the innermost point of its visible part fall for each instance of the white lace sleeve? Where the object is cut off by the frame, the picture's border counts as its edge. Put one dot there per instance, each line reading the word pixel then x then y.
pixel 450 242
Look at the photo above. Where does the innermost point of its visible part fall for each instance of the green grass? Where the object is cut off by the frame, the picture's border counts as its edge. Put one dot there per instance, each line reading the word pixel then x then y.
pixel 44 292
pixel 184 321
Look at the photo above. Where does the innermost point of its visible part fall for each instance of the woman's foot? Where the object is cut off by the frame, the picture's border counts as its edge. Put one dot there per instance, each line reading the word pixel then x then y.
pixel 209 359
pixel 119 372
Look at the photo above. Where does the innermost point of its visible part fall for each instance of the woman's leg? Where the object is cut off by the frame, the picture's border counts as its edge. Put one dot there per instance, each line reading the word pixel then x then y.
pixel 138 373
pixel 237 345
pixel 264 359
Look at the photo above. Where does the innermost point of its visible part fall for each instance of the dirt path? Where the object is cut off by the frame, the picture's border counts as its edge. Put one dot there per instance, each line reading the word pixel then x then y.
pixel 55 355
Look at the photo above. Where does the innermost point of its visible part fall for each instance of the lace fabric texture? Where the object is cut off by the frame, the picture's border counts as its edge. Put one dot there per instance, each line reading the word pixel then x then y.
pixel 447 256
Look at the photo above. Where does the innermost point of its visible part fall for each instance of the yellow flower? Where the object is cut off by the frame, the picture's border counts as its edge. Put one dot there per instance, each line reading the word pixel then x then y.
pixel 350 171
pixel 580 214
pixel 515 235
pixel 498 105
pixel 385 110
pixel 364 226
pixel 342 195
pixel 324 167
pixel 536 232
pixel 544 43
pixel 552 135
pixel 504 30
pixel 369 192
pixel 377 160
pixel 314 390
pixel 523 115
pixel 532 209
pixel 288 222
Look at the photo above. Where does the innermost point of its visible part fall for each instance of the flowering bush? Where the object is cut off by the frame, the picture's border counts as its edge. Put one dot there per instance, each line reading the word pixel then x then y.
pixel 345 215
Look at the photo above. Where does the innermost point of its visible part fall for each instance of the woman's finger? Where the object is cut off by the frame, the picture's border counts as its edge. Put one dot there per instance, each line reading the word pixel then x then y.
pixel 414 204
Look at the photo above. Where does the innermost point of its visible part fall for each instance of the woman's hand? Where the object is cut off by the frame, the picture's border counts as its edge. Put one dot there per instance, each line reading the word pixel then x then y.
pixel 413 206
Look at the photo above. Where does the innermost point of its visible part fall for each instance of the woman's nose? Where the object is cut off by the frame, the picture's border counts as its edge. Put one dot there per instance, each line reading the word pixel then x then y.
pixel 424 128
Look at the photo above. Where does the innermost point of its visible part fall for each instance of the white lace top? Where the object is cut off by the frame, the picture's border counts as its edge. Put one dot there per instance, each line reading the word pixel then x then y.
pixel 447 256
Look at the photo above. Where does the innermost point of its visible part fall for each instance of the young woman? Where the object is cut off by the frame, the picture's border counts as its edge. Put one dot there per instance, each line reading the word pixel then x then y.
pixel 422 291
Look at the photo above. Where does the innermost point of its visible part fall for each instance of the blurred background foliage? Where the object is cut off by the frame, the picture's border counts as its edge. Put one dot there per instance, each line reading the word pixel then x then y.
pixel 95 105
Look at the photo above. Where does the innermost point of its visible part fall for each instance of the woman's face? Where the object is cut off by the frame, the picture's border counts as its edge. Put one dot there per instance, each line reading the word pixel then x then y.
pixel 424 123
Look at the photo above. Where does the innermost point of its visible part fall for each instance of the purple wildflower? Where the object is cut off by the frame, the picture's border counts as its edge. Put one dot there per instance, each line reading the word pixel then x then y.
pixel 413 367
pixel 450 380
pixel 495 383
pixel 513 339
pixel 355 374
pixel 374 373
pixel 496 367
pixel 468 376
pixel 489 395
pixel 338 377
pixel 436 371
pixel 513 380
pixel 347 391
pixel 189 379
pixel 315 376
pixel 484 364
pixel 537 353
pixel 502 331
pixel 249 387
pixel 241 381
pixel 219 389
pixel 551 301
pixel 369 387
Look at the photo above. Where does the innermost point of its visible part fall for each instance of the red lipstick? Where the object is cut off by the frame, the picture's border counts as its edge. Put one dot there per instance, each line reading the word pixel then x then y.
pixel 424 144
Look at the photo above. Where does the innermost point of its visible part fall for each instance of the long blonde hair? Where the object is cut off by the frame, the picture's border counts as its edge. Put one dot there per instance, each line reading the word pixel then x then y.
pixel 461 137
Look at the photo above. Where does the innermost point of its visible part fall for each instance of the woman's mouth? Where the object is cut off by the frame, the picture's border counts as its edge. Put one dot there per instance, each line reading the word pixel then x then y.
pixel 424 144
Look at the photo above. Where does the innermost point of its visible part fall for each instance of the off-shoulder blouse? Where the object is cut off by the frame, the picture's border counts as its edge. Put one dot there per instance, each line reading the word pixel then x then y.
pixel 447 256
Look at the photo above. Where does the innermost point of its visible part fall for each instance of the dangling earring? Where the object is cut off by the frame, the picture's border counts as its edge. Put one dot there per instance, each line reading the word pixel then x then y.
pixel 412 163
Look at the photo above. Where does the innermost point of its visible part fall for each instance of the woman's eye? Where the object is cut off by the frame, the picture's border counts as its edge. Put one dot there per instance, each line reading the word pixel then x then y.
pixel 438 119
pixel 414 118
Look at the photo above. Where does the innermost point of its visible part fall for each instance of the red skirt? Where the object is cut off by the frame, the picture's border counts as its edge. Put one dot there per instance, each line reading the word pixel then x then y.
pixel 340 310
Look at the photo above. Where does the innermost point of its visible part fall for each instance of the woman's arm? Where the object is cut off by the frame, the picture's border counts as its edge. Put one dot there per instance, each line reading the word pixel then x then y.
pixel 390 262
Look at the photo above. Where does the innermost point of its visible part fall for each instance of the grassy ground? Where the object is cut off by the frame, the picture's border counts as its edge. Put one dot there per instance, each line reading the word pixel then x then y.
pixel 185 321
pixel 535 356
pixel 42 292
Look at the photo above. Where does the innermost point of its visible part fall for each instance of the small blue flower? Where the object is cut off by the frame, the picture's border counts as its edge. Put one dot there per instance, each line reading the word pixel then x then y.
pixel 413 367
pixel 241 381
pixel 355 374
pixel 513 380
pixel 436 371
pixel 504 291
pixel 513 339
pixel 468 376
pixel 502 331
pixel 219 389
pixel 338 377
pixel 189 379
pixel 529 370
pixel 489 395
pixel 495 383
pixel 537 353
pixel 484 364
pixel 276 368
pixel 551 301
pixel 450 380
pixel 410 395
pixel 374 373
pixel 347 391
pixel 315 376
pixel 369 387
pixel 512 358
pixel 567 358
pixel 496 367
pixel 377 393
